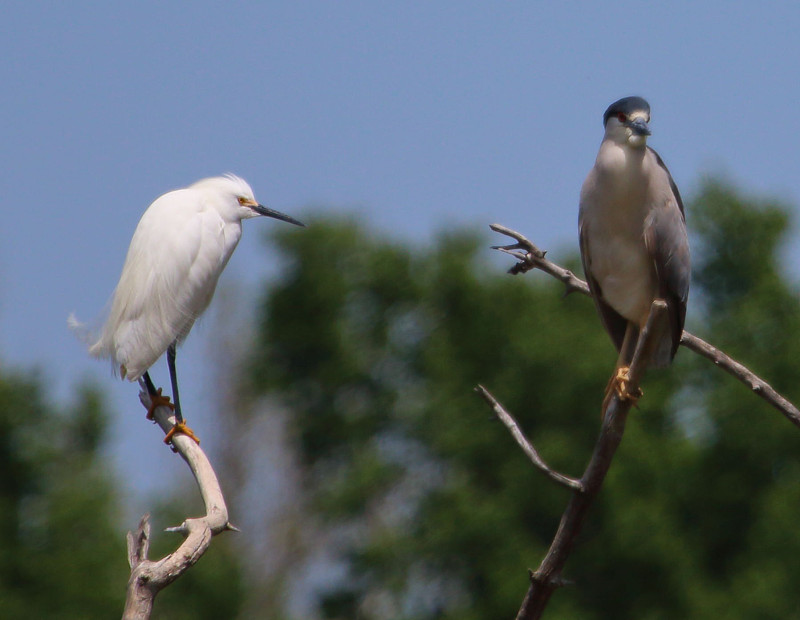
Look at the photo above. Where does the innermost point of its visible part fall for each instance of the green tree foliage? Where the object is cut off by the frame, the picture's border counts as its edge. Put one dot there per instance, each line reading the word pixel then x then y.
pixel 61 555
pixel 62 546
pixel 212 589
pixel 375 347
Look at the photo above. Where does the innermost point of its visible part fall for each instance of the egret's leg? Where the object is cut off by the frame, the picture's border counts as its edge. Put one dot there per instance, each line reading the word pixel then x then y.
pixel 156 399
pixel 173 377
pixel 151 388
pixel 180 424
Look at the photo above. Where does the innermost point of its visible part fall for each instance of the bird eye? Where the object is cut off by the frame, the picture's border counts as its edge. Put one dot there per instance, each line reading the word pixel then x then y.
pixel 242 200
pixel 621 117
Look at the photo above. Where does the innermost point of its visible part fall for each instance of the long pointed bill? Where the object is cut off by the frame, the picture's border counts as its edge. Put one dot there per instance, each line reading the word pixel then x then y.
pixel 262 210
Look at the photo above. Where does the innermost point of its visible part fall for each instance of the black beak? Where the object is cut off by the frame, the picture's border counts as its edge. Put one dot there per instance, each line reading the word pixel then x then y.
pixel 639 127
pixel 262 210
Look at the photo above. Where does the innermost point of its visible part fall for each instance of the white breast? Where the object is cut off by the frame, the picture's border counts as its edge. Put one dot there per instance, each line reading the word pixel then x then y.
pixel 614 207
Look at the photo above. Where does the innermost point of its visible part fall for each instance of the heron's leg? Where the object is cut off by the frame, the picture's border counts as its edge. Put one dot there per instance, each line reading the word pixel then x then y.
pixel 619 380
pixel 628 347
pixel 180 423
pixel 156 399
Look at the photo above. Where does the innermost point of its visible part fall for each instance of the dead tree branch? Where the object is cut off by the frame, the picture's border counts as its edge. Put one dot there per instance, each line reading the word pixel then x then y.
pixel 743 374
pixel 530 257
pixel 148 577
pixel 527 447
pixel 547 578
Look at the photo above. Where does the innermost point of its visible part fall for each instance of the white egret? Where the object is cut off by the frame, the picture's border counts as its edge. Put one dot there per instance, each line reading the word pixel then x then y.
pixel 178 251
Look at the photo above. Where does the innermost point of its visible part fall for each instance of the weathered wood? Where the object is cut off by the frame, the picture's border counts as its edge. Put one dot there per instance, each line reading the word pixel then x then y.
pixel 149 577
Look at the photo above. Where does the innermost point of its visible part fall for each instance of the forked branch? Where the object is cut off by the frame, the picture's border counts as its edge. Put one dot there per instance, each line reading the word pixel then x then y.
pixel 149 577
pixel 547 577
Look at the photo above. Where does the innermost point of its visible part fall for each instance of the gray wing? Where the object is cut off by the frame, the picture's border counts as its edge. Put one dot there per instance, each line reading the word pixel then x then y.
pixel 614 322
pixel 668 243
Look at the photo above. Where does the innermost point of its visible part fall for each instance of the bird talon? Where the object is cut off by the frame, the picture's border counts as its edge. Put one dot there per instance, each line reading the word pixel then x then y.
pixel 180 427
pixel 157 400
pixel 621 381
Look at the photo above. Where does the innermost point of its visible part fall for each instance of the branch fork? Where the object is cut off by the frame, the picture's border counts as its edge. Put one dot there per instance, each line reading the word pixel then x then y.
pixel 547 578
pixel 148 577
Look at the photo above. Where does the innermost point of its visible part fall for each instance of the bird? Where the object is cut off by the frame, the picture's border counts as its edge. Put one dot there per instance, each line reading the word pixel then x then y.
pixel 633 239
pixel 179 249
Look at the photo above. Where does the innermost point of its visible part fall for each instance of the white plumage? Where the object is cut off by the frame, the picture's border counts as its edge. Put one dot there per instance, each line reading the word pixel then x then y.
pixel 178 251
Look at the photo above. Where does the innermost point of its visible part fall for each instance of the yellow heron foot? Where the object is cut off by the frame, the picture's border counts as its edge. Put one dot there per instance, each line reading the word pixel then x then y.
pixel 619 384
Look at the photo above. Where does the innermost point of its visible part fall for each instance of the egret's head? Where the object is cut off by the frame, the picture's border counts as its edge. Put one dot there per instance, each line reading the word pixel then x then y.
pixel 626 121
pixel 234 197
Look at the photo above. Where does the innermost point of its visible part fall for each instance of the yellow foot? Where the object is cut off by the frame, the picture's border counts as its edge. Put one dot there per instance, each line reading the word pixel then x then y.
pixel 157 400
pixel 620 383
pixel 181 427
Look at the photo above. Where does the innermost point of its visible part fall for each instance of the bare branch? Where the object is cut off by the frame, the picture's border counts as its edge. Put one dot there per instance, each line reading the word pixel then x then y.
pixel 743 374
pixel 547 577
pixel 533 258
pixel 139 544
pixel 528 448
pixel 149 577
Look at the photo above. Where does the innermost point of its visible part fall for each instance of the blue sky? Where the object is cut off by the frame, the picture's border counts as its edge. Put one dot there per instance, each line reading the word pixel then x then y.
pixel 418 115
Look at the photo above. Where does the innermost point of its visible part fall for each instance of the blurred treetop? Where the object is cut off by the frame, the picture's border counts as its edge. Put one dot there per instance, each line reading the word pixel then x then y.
pixel 374 347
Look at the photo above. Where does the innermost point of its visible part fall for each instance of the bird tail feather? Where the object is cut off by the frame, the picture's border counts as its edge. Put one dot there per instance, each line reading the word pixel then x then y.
pixel 88 335
pixel 82 331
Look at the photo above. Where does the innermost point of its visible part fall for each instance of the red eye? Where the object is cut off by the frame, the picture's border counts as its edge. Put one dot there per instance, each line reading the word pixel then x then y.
pixel 621 117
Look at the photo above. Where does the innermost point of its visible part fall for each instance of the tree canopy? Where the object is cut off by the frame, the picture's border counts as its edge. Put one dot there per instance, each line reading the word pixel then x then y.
pixel 62 542
pixel 408 500
pixel 61 555
pixel 375 346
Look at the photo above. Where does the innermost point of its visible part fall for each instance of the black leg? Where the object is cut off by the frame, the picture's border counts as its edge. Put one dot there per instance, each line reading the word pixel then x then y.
pixel 174 378
pixel 151 389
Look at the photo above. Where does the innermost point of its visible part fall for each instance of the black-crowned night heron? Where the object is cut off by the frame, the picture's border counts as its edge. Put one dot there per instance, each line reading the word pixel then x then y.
pixel 633 237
